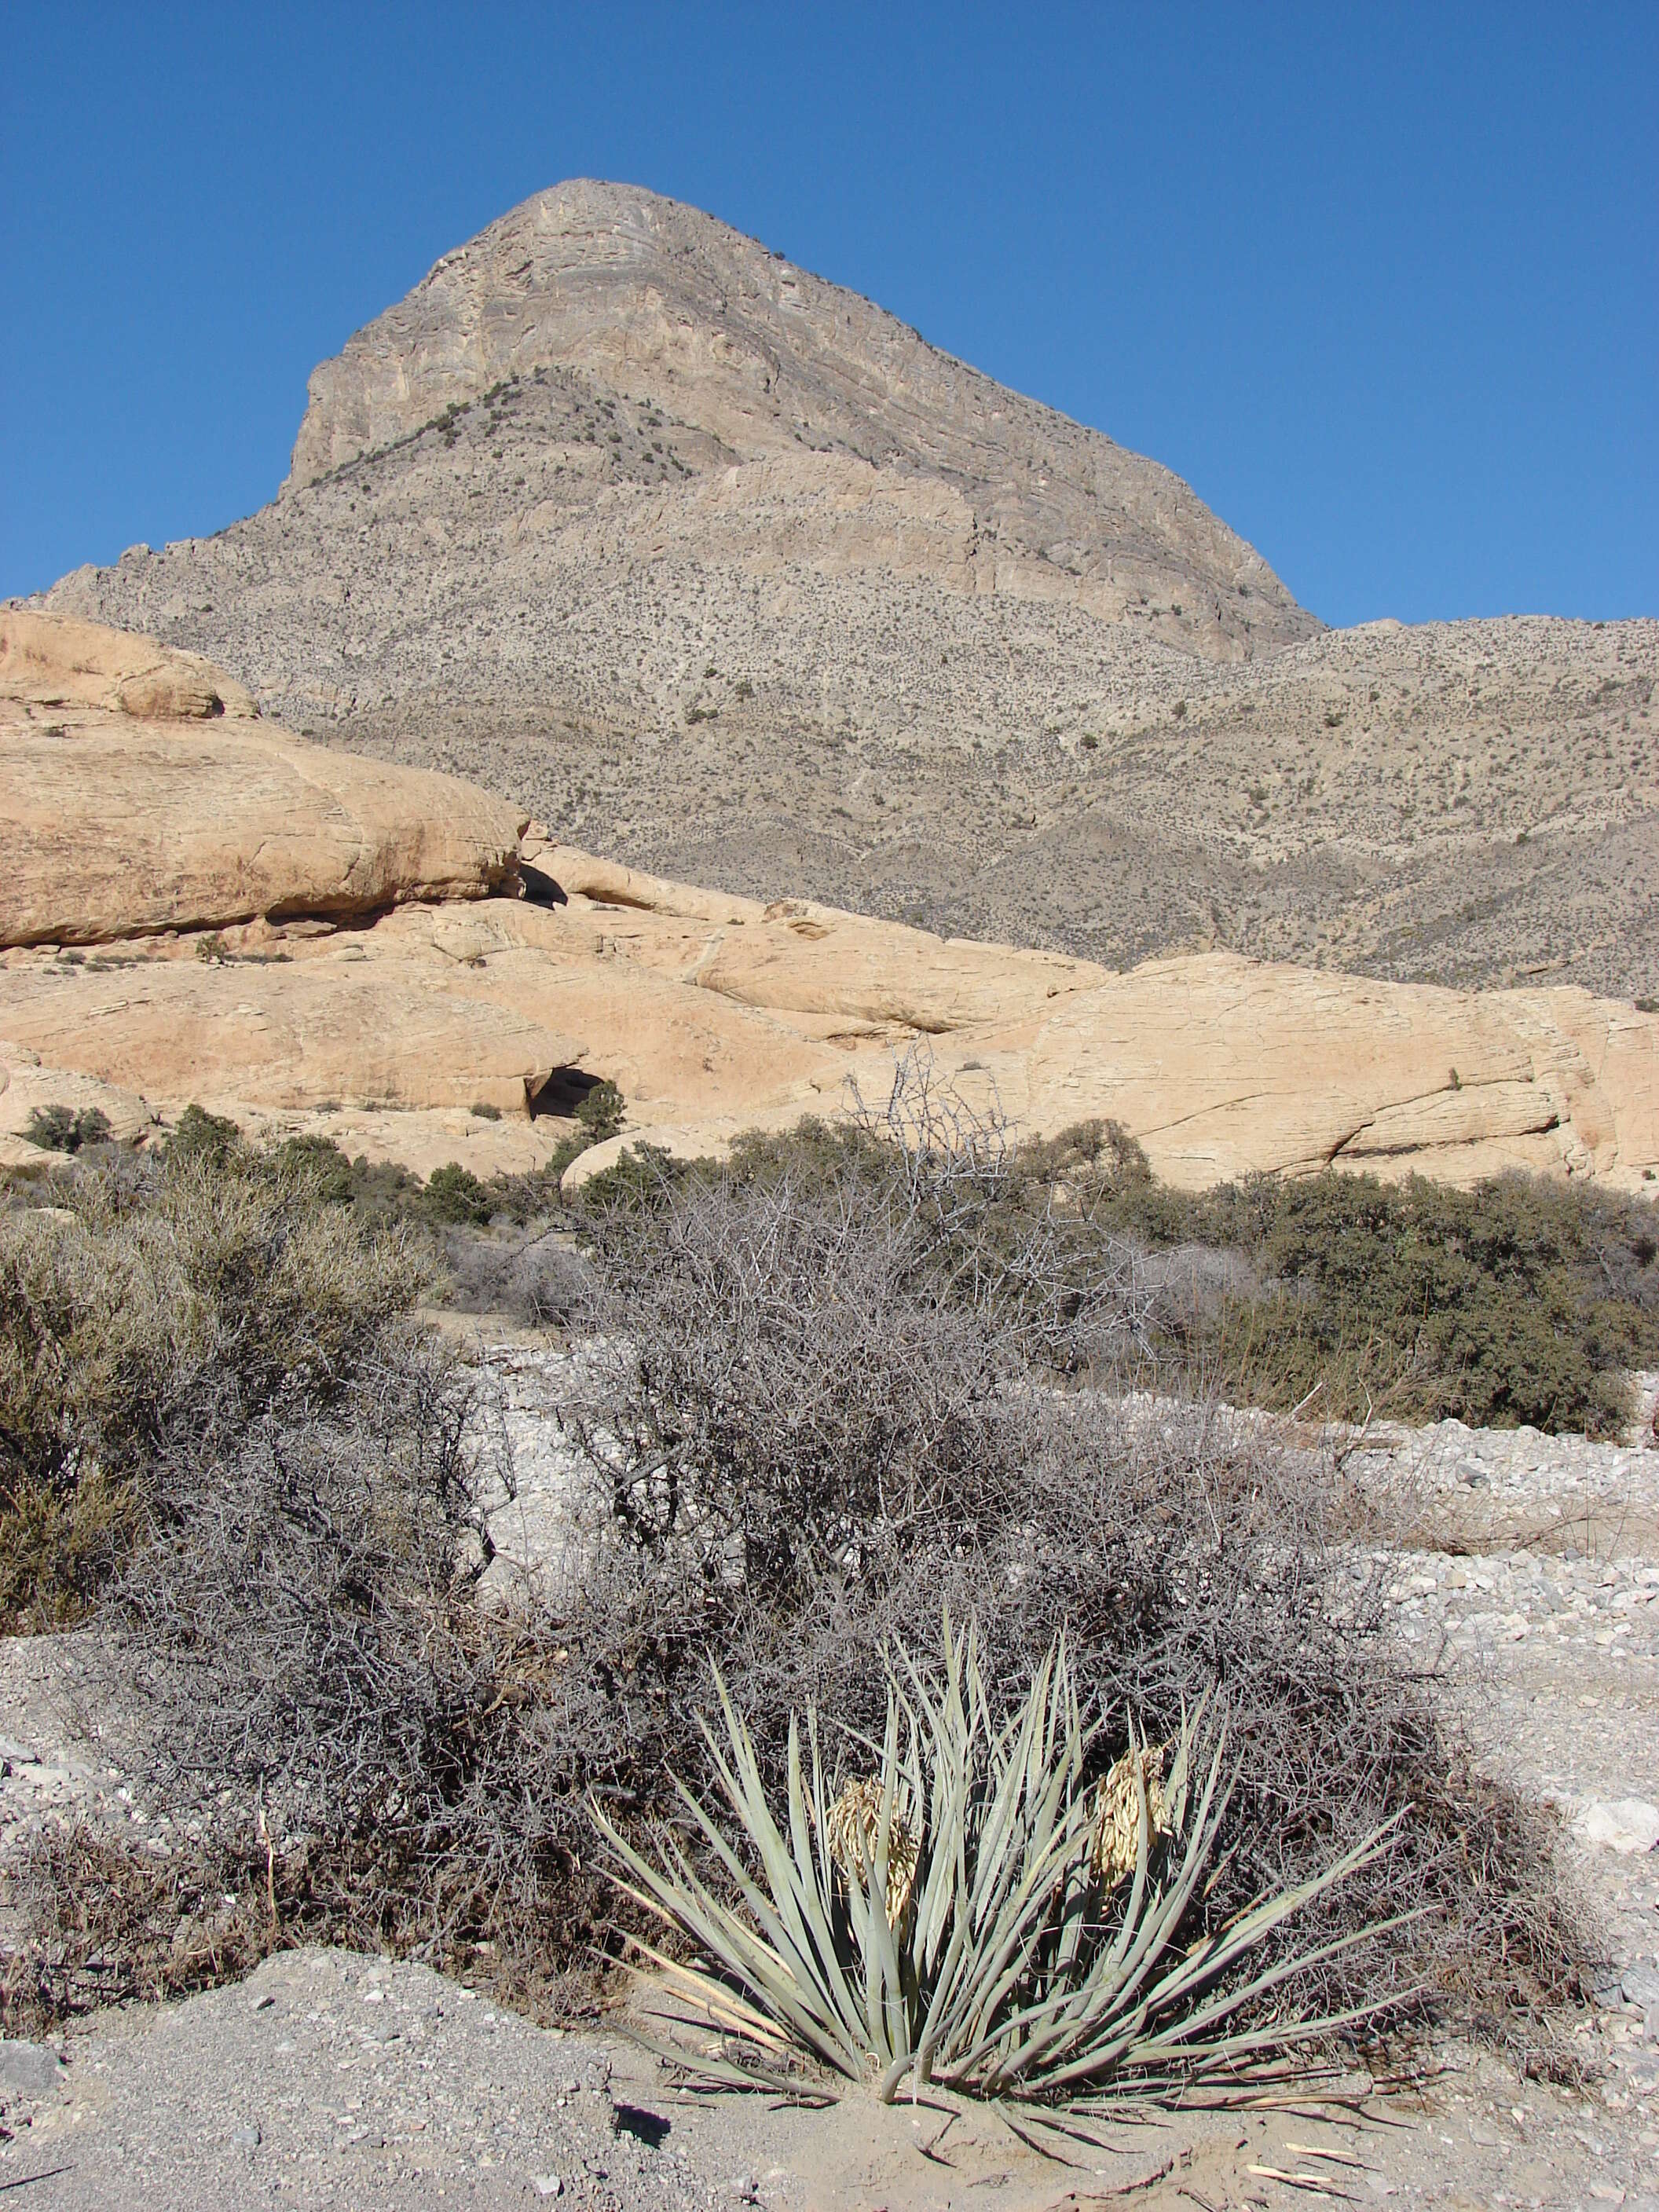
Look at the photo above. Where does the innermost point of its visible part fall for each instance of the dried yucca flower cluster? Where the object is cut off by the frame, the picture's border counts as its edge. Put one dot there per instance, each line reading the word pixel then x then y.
pixel 856 1814
pixel 1112 1838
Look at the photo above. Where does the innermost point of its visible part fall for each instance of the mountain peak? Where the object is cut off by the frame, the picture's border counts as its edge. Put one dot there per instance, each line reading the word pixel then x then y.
pixel 659 304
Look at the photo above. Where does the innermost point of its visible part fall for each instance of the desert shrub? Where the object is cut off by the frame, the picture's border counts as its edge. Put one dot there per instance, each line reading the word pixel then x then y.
pixel 1522 1300
pixel 600 1112
pixel 277 1595
pixel 110 1922
pixel 66 1129
pixel 384 1191
pixel 983 1909
pixel 325 1163
pixel 820 1408
pixel 814 1427
pixel 454 1193
pixel 198 1134
pixel 536 1280
pixel 174 1302
pixel 335 1740
pixel 811 1350
pixel 776 1389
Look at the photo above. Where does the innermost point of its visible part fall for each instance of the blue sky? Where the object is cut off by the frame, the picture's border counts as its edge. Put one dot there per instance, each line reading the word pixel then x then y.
pixel 1381 283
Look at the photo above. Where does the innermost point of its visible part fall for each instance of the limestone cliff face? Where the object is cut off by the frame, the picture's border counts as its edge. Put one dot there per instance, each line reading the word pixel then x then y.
pixel 660 303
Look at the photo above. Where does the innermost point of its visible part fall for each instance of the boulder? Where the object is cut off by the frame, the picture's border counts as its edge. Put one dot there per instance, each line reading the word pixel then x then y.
pixel 57 662
pixel 140 792
pixel 1629 1826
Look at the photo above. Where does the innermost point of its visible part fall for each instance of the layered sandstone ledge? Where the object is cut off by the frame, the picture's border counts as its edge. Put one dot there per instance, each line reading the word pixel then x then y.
pixel 139 792
pixel 383 955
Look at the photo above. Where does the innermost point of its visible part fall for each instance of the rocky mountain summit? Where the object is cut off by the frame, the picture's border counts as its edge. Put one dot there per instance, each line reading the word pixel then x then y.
pixel 657 304
pixel 735 578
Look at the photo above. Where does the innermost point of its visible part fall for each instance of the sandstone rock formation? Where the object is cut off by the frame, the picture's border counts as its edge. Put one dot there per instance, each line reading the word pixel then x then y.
pixel 716 1016
pixel 139 793
pixel 730 575
pixel 52 660
pixel 712 1012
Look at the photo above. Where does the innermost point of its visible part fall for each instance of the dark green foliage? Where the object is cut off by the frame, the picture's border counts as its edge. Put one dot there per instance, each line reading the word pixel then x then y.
pixel 326 1165
pixel 454 1194
pixel 1522 1300
pixel 600 1113
pixel 535 1196
pixel 62 1129
pixel 201 1135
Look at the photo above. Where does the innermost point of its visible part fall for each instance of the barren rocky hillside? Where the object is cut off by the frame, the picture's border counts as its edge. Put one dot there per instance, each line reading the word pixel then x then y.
pixel 729 574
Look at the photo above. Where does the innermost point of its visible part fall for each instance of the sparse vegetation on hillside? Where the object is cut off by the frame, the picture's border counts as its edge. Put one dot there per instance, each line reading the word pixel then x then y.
pixel 1002 765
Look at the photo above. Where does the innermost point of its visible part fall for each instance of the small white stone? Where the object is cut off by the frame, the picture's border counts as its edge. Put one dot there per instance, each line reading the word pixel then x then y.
pixel 1620 1824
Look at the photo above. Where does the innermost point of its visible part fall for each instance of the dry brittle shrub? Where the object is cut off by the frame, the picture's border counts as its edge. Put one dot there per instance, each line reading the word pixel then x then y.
pixel 822 1414
pixel 152 1308
pixel 828 1392
pixel 108 1922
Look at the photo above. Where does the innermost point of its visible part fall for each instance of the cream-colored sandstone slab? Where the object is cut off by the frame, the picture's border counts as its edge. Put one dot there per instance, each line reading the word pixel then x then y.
pixel 1219 1066
pixel 712 1013
pixel 127 805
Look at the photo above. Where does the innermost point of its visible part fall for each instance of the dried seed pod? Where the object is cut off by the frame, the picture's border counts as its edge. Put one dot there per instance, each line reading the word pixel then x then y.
pixel 857 1813
pixel 1113 1833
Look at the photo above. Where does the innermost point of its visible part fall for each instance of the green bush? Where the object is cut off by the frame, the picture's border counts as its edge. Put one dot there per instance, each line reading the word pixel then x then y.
pixel 62 1129
pixel 325 1163
pixel 600 1113
pixel 454 1194
pixel 175 1304
pixel 198 1134
pixel 1522 1300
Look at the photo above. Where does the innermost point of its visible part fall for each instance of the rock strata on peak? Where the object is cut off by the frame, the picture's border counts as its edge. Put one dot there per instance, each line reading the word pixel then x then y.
pixel 764 362
pixel 733 576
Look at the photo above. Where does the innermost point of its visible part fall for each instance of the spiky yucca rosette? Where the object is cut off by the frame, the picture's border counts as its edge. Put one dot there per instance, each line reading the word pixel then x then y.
pixel 990 1948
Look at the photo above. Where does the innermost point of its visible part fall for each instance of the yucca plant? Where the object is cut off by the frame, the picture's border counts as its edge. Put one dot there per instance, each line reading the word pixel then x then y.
pixel 971 1914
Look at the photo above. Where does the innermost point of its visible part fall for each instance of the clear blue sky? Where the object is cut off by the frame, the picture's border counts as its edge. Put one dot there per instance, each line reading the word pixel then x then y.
pixel 1380 283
